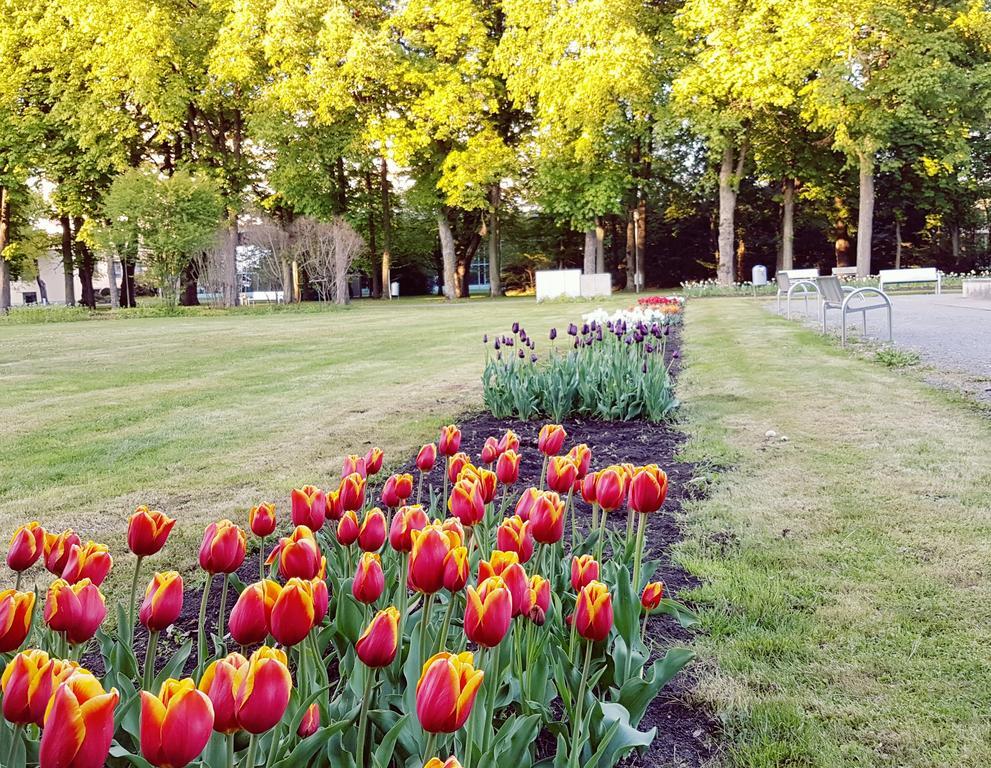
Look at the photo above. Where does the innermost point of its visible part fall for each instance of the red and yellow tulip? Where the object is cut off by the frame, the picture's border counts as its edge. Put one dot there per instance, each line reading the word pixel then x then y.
pixel 528 500
pixel 593 612
pixel 652 595
pixel 426 561
pixel 28 683
pixel 407 520
pixel 397 489
pixel 507 565
pixel 490 450
pixel 79 724
pixel 298 555
pixel 485 479
pixel 562 473
pixel 513 535
pixel 354 463
pixel 293 613
pixel 508 467
pixel 352 492
pixel 426 457
pixel 551 439
pixel 163 601
pixel 57 548
pixel 88 561
pixel 648 489
pixel 77 609
pixel 584 568
pixel 261 519
pixel 581 454
pixel 547 518
pixel 538 599
pixel 450 440
pixel 373 460
pixel 348 529
pixel 371 535
pixel 16 609
pixel 26 546
pixel 455 464
pixel 261 690
pixel 466 502
pixel 446 691
pixel 456 569
pixel 223 548
pixel 147 531
pixel 436 762
pixel 310 722
pixel 488 612
pixel 252 614
pixel 218 683
pixel 379 643
pixel 509 442
pixel 308 507
pixel 369 580
pixel 610 487
pixel 175 725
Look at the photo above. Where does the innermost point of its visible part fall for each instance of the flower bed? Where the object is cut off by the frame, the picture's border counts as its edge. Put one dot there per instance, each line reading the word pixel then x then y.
pixel 477 670
pixel 613 367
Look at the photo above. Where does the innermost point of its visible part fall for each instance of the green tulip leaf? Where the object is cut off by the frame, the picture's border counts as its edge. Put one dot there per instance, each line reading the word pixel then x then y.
pixel 636 694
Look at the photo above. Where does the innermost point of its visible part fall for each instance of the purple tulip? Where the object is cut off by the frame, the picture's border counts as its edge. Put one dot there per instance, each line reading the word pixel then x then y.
pixel 485 338
pixel 675 355
pixel 572 329
pixel 521 354
pixel 516 327
pixel 496 344
pixel 649 347
pixel 553 334
pixel 533 358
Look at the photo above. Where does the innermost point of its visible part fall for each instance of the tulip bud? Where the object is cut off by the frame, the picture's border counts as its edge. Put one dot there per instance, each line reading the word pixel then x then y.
pixel 371 536
pixel 466 502
pixel 79 724
pixel 252 613
pixel 57 548
pixel 218 683
pixel 455 464
pixel 426 458
pixel 539 593
pixel 369 580
pixel 261 519
pixel 379 643
pixel 175 725
pixel 648 489
pixel 310 722
pixel 583 570
pixel 407 520
pixel 446 691
pixel 373 461
pixel 321 599
pixel 508 467
pixel 528 500
pixel 294 613
pixel 298 555
pixel 309 507
pixel 454 531
pixel 513 535
pixel 490 451
pixel 163 601
pixel 485 479
pixel 261 690
pixel 587 487
pixel 223 548
pixel 435 762
pixel 426 561
pixel 352 492
pixel 581 454
pixel 26 546
pixel 348 528
pixel 652 595
pixel 593 612
pixel 75 609
pixel 488 612
pixel 507 565
pixel 547 518
pixel 450 440
pixel 28 683
pixel 456 569
pixel 354 463
pixel 334 508
pixel 88 561
pixel 509 442
pixel 551 439
pixel 610 487
pixel 396 490
pixel 562 473
pixel 147 531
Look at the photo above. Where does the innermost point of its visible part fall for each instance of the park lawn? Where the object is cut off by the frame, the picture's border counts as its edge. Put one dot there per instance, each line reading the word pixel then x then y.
pixel 204 416
pixel 846 596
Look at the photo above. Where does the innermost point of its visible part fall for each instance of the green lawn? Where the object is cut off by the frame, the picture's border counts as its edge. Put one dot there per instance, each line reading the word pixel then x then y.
pixel 847 599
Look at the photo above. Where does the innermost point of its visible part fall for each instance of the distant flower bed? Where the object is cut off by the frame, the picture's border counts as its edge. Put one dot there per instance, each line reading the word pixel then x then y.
pixel 613 367
pixel 668 305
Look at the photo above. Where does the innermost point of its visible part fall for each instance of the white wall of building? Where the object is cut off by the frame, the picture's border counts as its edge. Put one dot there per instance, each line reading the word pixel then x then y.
pixel 50 271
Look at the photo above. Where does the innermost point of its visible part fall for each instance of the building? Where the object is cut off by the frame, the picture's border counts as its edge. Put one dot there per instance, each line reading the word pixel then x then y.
pixel 49 285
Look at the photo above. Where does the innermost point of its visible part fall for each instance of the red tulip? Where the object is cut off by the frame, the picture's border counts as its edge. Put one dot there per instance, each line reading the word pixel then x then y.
pixel 334 508
pixel 26 546
pixel 587 487
pixel 369 580
pixel 513 535
pixel 147 531
pixel 648 489
pixel 163 601
pixel 252 613
pixel 455 464
pixel 352 492
pixel 310 722
pixel 309 507
pixel 348 529
pixel 88 561
pixel 426 561
pixel 77 609
pixel 373 460
pixel 488 612
pixel 507 565
pixel 371 537
pixel 397 489
pixel 446 691
pixel 261 690
pixel 508 467
pixel 509 442
pixel 485 479
pixel 354 464
pixel 321 599
pixel 436 762
pixel 426 458
pixel 593 612
pixel 538 599
pixel 218 683
pixel 223 548
pixel 547 518
pixel 79 724
pixel 298 555
pixel 176 724
pixel 490 451
pixel 407 520
pixel 562 473
pixel 28 683
pixel 528 499
pixel 652 595
pixel 456 569
pixel 450 440
pixel 379 643
pixel 466 502
pixel 581 454
pixel 583 570
pixel 454 530
pixel 551 439
pixel 261 519
pixel 294 613
pixel 57 548
pixel 610 487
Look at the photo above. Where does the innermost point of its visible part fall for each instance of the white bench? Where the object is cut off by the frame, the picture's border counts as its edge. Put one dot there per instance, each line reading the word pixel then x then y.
pixel 792 280
pixel 914 275
pixel 845 271
pixel 255 297
pixel 849 301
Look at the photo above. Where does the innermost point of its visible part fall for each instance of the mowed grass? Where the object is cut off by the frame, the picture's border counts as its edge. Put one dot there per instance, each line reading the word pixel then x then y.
pixel 846 595
pixel 202 417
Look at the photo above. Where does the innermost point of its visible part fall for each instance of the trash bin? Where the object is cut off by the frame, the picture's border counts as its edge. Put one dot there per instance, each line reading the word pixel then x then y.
pixel 758 275
pixel 394 287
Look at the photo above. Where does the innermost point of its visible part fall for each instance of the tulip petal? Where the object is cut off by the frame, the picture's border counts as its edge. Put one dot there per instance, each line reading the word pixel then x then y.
pixel 152 716
pixel 187 727
pixel 60 744
pixel 98 717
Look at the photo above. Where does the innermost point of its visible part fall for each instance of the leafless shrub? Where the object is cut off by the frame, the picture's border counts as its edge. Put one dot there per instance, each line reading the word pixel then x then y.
pixel 326 250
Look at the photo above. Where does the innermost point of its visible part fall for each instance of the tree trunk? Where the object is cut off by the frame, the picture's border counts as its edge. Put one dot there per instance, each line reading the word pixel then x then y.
pixel 341 293
pixel 614 243
pixel 229 256
pixel 86 263
pixel 112 282
pixel 447 253
pixel 865 215
pixel 5 298
pixel 641 241
pixel 128 290
pixel 288 291
pixel 955 245
pixel 588 266
pixel 67 262
pixel 342 187
pixel 386 227
pixel 600 243
pixel 841 244
pixel 495 200
pixel 187 281
pixel 730 171
pixel 630 255
pixel 372 248
pixel 898 243
pixel 787 224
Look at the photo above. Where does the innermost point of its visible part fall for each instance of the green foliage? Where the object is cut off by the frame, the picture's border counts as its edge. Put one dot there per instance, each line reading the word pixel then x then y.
pixel 892 357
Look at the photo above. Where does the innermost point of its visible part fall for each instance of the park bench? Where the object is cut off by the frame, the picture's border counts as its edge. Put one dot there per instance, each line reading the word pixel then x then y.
pixel 255 297
pixel 792 280
pixel 850 301
pixel 913 275
pixel 845 271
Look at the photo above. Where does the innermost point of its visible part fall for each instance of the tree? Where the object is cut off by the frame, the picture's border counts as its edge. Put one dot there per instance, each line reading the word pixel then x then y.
pixel 326 250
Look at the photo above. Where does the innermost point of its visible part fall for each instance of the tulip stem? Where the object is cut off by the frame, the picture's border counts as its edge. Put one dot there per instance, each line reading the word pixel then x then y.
pixel 261 559
pixel 230 750
pixel 643 628
pixel 134 595
pixel 428 603
pixel 419 488
pixel 17 582
pixel 447 466
pixel 273 749
pixel 201 639
pixel 221 617
pixel 595 517
pixel 431 743
pixel 569 508
pixel 149 677
pixel 579 706
pixel 249 760
pixel 543 472
pixel 602 538
pixel 629 527
pixel 366 700
pixel 446 626
pixel 403 598
pixel 638 554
